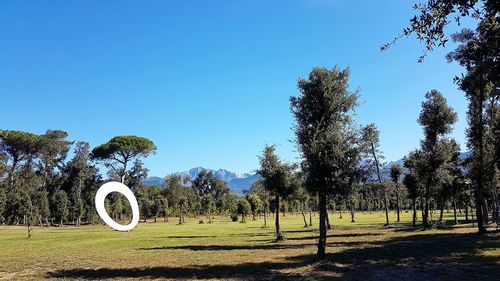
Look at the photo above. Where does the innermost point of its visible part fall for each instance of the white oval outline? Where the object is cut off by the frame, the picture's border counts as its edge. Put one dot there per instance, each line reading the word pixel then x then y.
pixel 100 196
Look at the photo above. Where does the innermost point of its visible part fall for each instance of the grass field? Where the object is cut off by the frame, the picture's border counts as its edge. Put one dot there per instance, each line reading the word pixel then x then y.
pixel 234 251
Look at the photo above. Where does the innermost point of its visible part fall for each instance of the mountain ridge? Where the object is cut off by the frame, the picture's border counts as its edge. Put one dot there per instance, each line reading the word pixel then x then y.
pixel 241 182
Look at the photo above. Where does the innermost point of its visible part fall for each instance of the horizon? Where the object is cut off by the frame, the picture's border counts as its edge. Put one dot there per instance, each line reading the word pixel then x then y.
pixel 210 84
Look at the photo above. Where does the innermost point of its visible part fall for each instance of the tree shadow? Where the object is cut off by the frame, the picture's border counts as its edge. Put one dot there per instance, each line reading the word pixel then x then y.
pixel 188 236
pixel 269 246
pixel 421 257
pixel 244 271
pixel 337 235
pixel 417 256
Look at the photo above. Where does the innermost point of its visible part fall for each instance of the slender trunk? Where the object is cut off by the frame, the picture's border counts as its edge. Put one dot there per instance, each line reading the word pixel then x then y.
pixel 322 225
pixel 386 206
pixel 397 202
pixel 340 211
pixel 425 215
pixel 441 210
pixel 279 234
pixel 265 218
pixel 455 210
pixel 352 212
pixel 414 219
pixel 484 206
pixel 310 217
pixel 479 211
pixel 304 216
pixel 467 213
pixel 327 218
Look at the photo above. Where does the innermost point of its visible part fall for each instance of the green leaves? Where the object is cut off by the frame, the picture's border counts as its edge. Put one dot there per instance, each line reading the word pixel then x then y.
pixel 124 147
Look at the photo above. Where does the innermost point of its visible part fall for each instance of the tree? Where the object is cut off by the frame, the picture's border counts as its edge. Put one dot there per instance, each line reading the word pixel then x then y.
pixel 433 16
pixel 478 54
pixel 60 203
pixel 243 209
pixel 208 204
pixel 258 189
pixel 436 119
pixel 372 143
pixel 275 179
pixel 207 183
pixel 255 203
pixel 415 163
pixel 120 150
pixel 396 172
pixel 3 199
pixel 79 176
pixel 302 197
pixel 42 205
pixel 177 193
pixel 19 148
pixel 53 149
pixel 326 137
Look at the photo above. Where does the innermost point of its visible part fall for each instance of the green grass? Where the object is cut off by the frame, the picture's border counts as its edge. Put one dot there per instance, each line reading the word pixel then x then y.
pixel 234 251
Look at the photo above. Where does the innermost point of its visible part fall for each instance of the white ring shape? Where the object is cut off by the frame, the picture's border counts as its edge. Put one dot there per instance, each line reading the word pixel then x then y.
pixel 100 196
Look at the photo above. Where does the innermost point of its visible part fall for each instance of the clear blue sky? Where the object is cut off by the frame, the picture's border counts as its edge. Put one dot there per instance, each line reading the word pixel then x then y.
pixel 209 81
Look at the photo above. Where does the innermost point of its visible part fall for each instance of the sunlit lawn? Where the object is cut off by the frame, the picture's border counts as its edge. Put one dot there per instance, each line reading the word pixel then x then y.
pixel 234 251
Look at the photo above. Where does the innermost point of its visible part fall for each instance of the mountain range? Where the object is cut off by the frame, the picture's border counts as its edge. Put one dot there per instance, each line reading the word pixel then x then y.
pixel 241 182
pixel 237 182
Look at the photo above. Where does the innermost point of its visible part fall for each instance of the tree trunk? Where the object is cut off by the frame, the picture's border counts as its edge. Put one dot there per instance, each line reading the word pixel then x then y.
pixel 328 226
pixel 397 202
pixel 322 226
pixel 386 206
pixel 425 215
pixel 279 234
pixel 304 216
pixel 467 213
pixel 484 206
pixel 441 211
pixel 455 210
pixel 414 219
pixel 310 217
pixel 265 218
pixel 479 210
pixel 352 212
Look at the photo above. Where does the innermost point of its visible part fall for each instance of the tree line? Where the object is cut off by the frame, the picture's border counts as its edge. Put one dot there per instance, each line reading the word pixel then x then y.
pixel 341 166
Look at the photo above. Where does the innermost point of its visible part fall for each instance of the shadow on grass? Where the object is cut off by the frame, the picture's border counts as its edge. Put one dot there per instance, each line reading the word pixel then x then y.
pixel 269 246
pixel 417 256
pixel 339 235
pixel 188 236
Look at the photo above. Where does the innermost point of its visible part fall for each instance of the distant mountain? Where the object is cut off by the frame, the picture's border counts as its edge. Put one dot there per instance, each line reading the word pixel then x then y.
pixel 386 169
pixel 237 182
pixel 149 181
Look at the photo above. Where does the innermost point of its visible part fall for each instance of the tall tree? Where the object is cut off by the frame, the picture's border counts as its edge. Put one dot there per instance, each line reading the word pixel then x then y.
pixel 371 143
pixel 478 54
pixel 396 171
pixel 326 136
pixel 276 179
pixel 20 148
pixel 207 183
pixel 436 119
pixel 60 203
pixel 119 151
pixel 255 203
pixel 415 163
